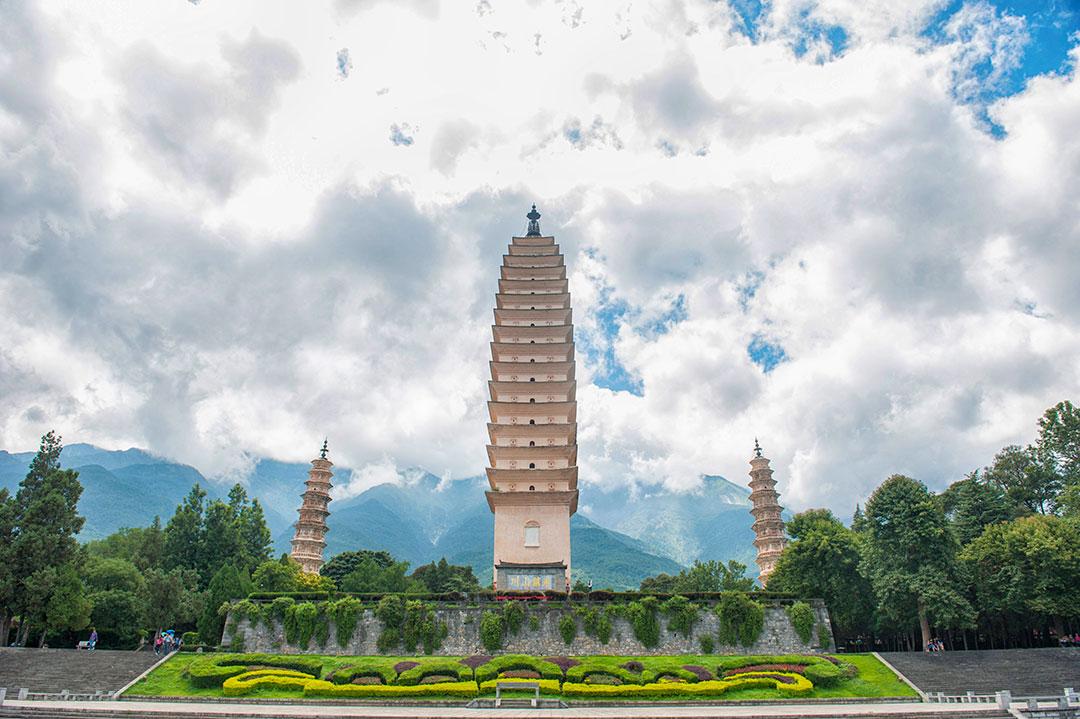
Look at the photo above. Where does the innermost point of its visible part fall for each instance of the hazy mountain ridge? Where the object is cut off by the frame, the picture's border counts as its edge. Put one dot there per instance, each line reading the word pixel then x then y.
pixel 620 540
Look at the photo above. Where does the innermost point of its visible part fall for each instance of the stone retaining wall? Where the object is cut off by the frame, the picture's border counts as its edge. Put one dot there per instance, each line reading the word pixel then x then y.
pixel 463 635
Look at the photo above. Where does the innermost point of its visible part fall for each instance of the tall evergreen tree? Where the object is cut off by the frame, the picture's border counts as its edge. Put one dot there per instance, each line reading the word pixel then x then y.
pixel 972 504
pixel 227 584
pixel 184 532
pixel 8 583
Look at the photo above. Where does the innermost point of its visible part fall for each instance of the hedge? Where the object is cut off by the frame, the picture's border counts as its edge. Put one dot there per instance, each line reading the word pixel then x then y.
pixel 751 659
pixel 581 672
pixel 547 686
pixel 319 688
pixel 345 675
pixel 212 671
pixel 281 679
pixel 824 674
pixel 510 662
pixel 658 669
pixel 599 595
pixel 450 667
pixel 713 687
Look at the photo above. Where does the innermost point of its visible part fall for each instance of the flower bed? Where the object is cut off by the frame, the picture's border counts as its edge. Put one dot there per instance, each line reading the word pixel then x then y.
pixel 433 667
pixel 511 662
pixel 213 671
pixel 282 679
pixel 712 688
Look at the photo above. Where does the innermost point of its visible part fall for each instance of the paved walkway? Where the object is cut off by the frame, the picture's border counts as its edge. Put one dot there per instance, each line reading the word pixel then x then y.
pixel 1024 672
pixel 266 711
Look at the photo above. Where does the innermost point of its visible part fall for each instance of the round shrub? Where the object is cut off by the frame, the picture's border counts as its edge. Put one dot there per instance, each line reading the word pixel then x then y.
pixel 823 675
pixel 568 628
pixel 491 631
pixel 802 620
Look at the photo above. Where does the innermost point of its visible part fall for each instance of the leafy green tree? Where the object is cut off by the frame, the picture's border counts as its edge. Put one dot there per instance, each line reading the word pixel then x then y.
pixel 710 576
pixel 909 557
pixel 1030 565
pixel 142 546
pixel 444 577
pixel 347 562
pixel 60 599
pixel 972 504
pixel 220 539
pixel 369 577
pixel 1058 444
pixel 282 575
pixel 172 598
pixel 227 584
pixel 1028 484
pixel 822 560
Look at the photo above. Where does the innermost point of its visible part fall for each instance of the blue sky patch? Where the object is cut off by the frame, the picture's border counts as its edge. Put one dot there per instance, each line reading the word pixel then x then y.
pixel 765 354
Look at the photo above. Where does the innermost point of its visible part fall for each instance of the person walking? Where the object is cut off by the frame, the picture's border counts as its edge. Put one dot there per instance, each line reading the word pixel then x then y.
pixel 93 639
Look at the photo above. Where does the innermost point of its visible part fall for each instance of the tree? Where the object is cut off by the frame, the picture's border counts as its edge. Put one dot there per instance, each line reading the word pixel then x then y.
pixel 278 576
pixel 444 577
pixel 1028 484
pixel 711 576
pixel 142 546
pixel 59 600
pixel 909 557
pixel 117 593
pixel 227 584
pixel 1030 565
pixel 1058 444
pixel 822 560
pixel 972 504
pixel 370 577
pixel 347 562
pixel 184 532
pixel 8 581
pixel 45 522
pixel 172 597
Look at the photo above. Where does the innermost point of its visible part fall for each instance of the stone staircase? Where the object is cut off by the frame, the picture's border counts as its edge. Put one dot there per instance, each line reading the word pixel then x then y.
pixel 57 670
pixel 1024 672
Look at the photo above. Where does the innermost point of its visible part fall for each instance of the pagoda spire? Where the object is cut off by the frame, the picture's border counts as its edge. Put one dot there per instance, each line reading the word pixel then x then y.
pixel 768 526
pixel 534 223
pixel 309 541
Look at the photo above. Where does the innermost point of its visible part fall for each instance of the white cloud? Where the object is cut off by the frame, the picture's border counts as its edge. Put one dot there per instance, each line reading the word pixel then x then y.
pixel 212 249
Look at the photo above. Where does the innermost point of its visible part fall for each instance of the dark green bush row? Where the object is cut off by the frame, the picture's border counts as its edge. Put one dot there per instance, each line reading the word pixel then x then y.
pixel 600 595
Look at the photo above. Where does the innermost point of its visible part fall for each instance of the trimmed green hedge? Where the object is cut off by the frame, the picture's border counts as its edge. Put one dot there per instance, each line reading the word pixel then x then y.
pixel 581 672
pixel 318 688
pixel 715 687
pixel 510 662
pixel 281 679
pixel 430 668
pixel 212 671
pixel 547 686
pixel 345 675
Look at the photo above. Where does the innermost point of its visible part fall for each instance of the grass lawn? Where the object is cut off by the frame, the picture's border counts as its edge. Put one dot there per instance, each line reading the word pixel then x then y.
pixel 874 679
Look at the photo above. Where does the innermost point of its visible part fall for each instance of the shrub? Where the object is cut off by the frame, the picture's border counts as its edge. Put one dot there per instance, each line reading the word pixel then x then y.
pixel 707 688
pixel 509 662
pixel 802 620
pixel 317 688
pixel 513 616
pixel 642 617
pixel 708 644
pixel 563 663
pixel 190 638
pixel 281 679
pixel 596 621
pixel 435 667
pixel 475 660
pixel 346 675
pixel 681 614
pixel 212 671
pixel 547 686
pixel 405 666
pixel 582 672
pixel 634 666
pixel 300 623
pixel 746 660
pixel 824 636
pixel 661 668
pixel 823 675
pixel 534 623
pixel 568 628
pixel 491 630
pixel 345 613
pixel 703 674
pixel 741 619
pixel 788 668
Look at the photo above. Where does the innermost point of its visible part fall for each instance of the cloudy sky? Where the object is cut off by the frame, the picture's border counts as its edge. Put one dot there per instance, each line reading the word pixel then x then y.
pixel 848 227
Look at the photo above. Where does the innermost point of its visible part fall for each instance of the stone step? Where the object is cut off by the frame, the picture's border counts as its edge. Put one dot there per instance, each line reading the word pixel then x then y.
pixel 57 670
pixel 1024 672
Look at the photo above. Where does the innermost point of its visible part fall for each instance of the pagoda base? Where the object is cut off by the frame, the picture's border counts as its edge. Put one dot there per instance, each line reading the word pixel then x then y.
pixel 530 577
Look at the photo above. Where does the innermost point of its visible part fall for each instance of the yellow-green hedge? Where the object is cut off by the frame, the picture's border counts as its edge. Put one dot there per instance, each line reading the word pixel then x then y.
pixel 715 687
pixel 281 679
pixel 320 688
pixel 547 686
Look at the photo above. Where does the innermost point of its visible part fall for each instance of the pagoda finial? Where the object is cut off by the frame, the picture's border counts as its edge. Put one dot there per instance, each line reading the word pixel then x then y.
pixel 534 223
pixel 757 448
pixel 324 450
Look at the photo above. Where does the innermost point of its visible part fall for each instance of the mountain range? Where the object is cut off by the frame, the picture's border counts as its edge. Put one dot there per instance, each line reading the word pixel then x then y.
pixel 617 539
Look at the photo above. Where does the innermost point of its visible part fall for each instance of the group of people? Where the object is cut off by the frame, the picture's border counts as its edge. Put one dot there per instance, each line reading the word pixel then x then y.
pixel 167 641
pixel 1069 640
pixel 935 645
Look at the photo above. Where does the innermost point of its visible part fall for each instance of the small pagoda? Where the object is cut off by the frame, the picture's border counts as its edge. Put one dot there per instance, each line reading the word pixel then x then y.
pixel 768 526
pixel 310 539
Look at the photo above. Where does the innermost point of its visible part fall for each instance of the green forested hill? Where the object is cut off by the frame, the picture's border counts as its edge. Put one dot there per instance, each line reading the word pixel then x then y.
pixel 617 539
